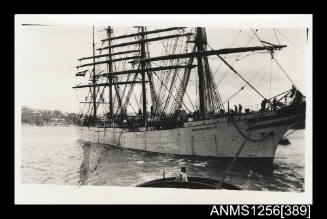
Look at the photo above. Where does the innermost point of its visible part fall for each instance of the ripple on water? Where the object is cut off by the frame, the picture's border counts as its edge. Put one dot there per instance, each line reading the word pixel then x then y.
pixel 55 155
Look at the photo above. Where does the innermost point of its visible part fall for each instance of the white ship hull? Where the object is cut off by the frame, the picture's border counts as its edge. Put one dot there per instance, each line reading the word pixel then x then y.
pixel 219 137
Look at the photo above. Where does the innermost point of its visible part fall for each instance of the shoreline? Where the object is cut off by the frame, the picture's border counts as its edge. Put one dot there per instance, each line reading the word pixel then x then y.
pixel 46 125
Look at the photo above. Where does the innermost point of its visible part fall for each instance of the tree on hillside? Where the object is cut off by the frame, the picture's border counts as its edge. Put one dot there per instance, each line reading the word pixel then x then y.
pixel 31 116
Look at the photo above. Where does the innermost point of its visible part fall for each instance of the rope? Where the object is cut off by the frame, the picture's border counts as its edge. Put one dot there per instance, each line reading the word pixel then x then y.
pixel 284 137
pixel 231 68
pixel 283 70
pixel 233 161
pixel 290 41
pixel 236 36
pixel 280 94
pixel 274 58
pixel 259 81
pixel 233 95
pixel 239 59
pixel 171 78
pixel 236 59
pixel 270 79
pixel 245 136
pixel 242 88
pixel 276 36
pixel 172 94
pixel 240 76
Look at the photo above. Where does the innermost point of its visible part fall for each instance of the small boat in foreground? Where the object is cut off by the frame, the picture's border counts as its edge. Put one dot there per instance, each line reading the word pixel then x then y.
pixel 193 183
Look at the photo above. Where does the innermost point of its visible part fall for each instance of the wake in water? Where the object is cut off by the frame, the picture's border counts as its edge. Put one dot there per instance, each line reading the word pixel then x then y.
pixel 54 155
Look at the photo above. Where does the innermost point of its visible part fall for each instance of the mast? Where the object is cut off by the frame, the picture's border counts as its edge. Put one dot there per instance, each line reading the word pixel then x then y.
pixel 143 66
pixel 199 45
pixel 143 60
pixel 109 31
pixel 94 82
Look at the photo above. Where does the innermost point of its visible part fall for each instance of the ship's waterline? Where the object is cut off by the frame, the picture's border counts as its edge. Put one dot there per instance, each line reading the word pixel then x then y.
pixel 215 137
pixel 55 155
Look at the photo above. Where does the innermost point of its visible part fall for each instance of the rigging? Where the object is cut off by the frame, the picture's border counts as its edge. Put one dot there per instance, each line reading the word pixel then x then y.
pixel 274 58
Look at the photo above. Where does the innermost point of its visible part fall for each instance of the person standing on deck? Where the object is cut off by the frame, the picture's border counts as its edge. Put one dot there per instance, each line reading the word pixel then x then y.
pixel 181 176
pixel 240 109
pixel 274 105
pixel 235 109
pixel 263 104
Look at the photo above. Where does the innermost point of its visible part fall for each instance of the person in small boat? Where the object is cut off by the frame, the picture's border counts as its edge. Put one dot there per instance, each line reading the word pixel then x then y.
pixel 181 176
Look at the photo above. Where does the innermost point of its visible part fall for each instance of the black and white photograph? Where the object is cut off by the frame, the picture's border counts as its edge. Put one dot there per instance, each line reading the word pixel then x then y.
pixel 163 109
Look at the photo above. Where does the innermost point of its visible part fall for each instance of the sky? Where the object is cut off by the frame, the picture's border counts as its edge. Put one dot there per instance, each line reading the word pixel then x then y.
pixel 47 56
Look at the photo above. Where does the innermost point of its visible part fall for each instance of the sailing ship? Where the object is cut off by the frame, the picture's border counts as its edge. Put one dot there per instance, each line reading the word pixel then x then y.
pixel 143 94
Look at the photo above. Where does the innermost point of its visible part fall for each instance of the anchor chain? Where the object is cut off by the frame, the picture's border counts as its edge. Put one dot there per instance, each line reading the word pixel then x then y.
pixel 246 137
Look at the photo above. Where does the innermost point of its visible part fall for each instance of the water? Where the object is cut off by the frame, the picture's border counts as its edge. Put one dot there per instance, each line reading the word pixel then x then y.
pixel 55 155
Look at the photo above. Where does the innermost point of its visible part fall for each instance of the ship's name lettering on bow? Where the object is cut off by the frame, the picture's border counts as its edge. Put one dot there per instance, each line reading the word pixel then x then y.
pixel 206 128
